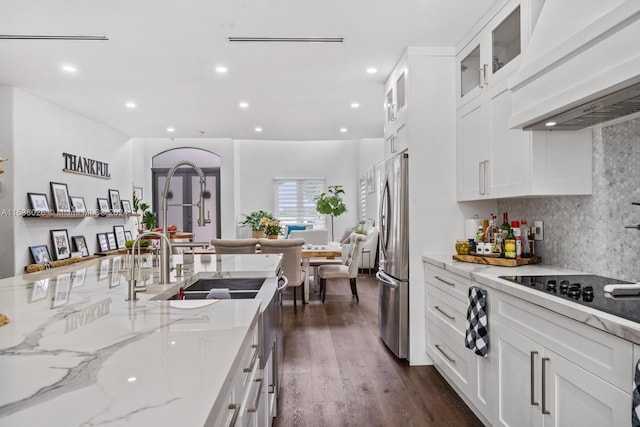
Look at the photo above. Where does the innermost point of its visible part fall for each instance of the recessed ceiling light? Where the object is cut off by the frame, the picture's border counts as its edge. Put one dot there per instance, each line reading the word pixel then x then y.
pixel 171 129
pixel 355 105
pixel 243 105
pixel 131 379
pixel 130 105
pixel 221 70
pixel 549 124
pixel 343 130
pixel 68 68
pixel 372 70
pixel 258 129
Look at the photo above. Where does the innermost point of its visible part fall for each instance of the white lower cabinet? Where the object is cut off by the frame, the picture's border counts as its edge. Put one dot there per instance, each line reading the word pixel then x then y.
pixel 538 387
pixel 543 369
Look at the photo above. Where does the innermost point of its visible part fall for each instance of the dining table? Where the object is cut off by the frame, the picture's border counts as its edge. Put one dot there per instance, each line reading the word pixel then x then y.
pixel 328 252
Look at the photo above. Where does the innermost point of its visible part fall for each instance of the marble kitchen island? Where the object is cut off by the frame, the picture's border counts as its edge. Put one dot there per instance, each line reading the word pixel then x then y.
pixel 77 353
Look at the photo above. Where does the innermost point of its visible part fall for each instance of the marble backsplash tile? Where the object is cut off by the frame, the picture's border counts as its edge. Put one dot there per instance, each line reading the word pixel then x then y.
pixel 587 232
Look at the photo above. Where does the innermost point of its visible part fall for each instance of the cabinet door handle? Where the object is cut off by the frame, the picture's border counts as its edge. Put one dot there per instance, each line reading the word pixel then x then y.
pixel 533 362
pixel 253 358
pixel 444 281
pixel 445 354
pixel 544 386
pixel 484 75
pixel 236 411
pixel 258 394
pixel 448 316
pixel 481 71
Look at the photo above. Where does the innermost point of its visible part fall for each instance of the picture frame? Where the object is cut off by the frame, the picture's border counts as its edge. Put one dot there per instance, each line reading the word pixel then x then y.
pixel 104 269
pixel 126 207
pixel 116 264
pixel 103 206
pixel 60 194
pixel 60 240
pixel 63 286
pixel 81 245
pixel 40 254
pixel 137 192
pixel 40 289
pixel 103 242
pixel 127 235
pixel 121 239
pixel 114 198
pixel 111 238
pixel 78 205
pixel 39 203
pixel 77 277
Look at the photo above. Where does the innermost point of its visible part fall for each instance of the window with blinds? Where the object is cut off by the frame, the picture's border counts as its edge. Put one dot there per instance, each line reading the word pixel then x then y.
pixel 362 193
pixel 294 200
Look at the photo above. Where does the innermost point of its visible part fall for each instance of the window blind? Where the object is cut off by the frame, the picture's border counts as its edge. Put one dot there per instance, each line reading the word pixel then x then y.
pixel 362 193
pixel 295 200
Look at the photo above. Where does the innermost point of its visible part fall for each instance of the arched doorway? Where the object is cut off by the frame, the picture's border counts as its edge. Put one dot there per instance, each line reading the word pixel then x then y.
pixel 184 189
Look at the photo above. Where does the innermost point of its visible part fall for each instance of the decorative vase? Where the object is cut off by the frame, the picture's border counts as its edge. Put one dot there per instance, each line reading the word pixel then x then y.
pixel 272 236
pixel 257 234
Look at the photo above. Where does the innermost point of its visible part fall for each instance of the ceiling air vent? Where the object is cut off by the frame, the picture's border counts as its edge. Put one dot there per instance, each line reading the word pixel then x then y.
pixel 288 39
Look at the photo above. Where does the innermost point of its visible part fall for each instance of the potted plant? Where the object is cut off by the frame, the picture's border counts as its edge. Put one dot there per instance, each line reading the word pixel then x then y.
pixel 257 220
pixel 273 229
pixel 330 203
pixel 149 218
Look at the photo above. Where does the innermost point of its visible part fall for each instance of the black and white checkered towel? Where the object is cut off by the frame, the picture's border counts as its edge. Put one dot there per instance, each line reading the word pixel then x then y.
pixel 477 336
pixel 635 410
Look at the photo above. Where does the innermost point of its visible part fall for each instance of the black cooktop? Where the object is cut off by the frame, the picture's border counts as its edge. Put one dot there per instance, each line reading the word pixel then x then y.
pixel 587 290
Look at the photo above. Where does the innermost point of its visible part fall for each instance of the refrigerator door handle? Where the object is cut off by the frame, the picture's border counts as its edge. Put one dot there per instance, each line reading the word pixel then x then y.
pixel 384 217
pixel 387 280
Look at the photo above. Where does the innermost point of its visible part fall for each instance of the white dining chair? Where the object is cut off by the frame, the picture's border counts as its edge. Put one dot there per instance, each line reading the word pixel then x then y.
pixel 347 270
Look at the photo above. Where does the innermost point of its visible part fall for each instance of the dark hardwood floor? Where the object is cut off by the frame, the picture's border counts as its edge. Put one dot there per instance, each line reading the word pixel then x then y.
pixel 338 372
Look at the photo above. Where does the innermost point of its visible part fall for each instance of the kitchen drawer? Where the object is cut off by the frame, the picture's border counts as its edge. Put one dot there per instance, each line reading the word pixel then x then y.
pixel 442 307
pixel 453 284
pixel 600 353
pixel 450 356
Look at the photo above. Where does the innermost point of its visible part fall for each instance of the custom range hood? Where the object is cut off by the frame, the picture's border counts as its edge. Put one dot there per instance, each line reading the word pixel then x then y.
pixel 581 66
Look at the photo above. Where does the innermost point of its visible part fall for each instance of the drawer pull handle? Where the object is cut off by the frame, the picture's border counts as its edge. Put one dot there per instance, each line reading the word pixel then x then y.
pixel 236 411
pixel 544 386
pixel 444 281
pixel 533 362
pixel 258 394
pixel 253 358
pixel 444 313
pixel 445 354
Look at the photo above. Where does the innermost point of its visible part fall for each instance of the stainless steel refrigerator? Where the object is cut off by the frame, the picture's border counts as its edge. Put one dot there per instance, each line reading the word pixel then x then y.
pixel 393 275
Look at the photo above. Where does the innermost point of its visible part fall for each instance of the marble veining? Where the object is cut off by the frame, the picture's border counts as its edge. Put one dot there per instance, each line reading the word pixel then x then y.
pixel 83 355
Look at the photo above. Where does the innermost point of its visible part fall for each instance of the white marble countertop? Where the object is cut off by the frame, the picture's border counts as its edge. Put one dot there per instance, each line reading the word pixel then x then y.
pixel 488 275
pixel 76 353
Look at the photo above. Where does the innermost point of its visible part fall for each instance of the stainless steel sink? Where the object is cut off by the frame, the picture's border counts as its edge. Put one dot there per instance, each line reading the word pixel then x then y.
pixel 237 288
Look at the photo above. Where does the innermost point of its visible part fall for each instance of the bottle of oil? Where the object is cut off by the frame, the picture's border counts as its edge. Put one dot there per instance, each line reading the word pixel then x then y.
pixel 510 245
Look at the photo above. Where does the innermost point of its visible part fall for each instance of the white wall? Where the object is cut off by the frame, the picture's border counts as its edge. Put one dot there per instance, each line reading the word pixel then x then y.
pixel 370 152
pixel 42 131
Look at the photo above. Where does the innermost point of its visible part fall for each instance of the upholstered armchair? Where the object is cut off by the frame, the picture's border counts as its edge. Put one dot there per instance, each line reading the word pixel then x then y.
pixel 370 244
pixel 347 270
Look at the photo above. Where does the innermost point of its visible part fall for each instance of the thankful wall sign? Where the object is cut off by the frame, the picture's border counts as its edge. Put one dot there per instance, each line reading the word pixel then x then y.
pixel 85 166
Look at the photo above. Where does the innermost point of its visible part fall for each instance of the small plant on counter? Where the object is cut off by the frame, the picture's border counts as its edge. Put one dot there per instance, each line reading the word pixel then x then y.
pixel 273 227
pixel 149 218
pixel 257 220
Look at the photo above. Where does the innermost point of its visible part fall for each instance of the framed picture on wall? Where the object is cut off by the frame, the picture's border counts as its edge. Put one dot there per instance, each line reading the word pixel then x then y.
pixel 40 254
pixel 114 197
pixel 111 238
pixel 103 206
pixel 60 194
pixel 126 207
pixel 39 203
pixel 121 239
pixel 127 235
pixel 77 205
pixel 103 243
pixel 80 244
pixel 61 248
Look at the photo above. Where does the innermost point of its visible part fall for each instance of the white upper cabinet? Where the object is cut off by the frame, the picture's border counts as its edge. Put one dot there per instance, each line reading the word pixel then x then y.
pixel 396 110
pixel 495 161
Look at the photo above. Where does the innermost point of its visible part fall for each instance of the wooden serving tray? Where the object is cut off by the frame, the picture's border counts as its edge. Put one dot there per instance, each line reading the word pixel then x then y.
pixel 503 262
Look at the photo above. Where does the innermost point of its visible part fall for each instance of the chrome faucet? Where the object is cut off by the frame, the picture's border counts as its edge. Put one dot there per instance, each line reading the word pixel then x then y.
pixel 133 288
pixel 202 221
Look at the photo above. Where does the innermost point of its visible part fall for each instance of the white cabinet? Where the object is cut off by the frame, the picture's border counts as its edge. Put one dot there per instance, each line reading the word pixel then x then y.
pixel 552 371
pixel 395 131
pixel 493 160
pixel 496 162
pixel 446 306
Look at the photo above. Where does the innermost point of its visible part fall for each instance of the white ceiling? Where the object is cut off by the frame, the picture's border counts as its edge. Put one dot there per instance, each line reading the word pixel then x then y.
pixel 162 54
